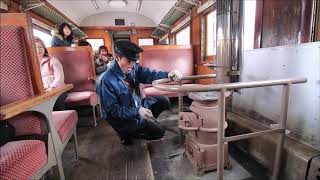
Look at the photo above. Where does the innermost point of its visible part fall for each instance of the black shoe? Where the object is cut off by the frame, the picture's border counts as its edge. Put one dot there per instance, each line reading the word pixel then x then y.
pixel 126 141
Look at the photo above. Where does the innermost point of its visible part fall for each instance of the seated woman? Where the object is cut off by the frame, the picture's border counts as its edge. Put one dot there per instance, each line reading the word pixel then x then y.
pixel 103 60
pixel 51 72
pixel 64 36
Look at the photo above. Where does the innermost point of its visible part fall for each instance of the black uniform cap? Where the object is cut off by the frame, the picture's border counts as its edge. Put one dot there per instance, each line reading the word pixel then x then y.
pixel 127 49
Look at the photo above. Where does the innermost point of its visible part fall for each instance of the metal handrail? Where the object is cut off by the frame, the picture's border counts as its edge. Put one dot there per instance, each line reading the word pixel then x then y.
pixel 158 84
pixel 221 139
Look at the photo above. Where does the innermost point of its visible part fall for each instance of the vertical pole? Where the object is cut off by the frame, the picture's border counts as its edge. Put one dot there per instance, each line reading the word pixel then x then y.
pixel 282 125
pixel 221 134
pixel 180 99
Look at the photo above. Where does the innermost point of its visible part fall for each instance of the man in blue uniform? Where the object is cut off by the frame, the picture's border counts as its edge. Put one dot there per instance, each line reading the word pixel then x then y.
pixel 128 114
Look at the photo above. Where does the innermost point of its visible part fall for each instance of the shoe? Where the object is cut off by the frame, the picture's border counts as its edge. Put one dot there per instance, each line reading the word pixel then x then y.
pixel 126 141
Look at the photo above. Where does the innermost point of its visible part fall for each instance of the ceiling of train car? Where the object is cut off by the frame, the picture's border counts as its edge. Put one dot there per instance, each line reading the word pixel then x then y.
pixel 78 10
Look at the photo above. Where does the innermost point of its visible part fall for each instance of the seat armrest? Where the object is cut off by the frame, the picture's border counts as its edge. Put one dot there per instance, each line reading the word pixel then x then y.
pixel 18 107
pixel 94 78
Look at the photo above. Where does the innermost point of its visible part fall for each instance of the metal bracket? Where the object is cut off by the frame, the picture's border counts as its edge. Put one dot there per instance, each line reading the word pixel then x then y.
pixel 32 6
pixel 182 10
pixel 193 2
pixel 162 29
pixel 166 26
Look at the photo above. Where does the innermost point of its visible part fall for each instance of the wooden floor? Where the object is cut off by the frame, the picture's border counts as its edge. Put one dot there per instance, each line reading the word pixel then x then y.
pixel 103 157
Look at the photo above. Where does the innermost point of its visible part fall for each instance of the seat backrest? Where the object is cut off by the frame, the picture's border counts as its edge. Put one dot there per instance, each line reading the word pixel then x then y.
pixel 78 66
pixel 168 58
pixel 20 75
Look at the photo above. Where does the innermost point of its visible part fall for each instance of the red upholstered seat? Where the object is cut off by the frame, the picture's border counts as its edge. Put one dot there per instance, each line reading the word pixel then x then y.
pixel 78 66
pixel 20 160
pixel 166 58
pixel 65 122
pixel 82 98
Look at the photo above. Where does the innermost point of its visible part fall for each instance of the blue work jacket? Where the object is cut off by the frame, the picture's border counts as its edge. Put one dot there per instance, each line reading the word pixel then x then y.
pixel 121 106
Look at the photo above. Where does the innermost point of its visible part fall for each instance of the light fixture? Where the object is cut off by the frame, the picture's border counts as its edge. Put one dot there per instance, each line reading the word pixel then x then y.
pixel 118 3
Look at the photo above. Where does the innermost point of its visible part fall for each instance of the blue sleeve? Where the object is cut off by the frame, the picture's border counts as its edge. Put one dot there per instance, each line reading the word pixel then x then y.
pixel 147 76
pixel 111 104
pixel 101 69
pixel 55 42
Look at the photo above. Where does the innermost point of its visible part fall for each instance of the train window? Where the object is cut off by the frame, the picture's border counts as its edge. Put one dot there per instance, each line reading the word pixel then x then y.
pixel 95 43
pixel 249 24
pixel 211 33
pixel 145 42
pixel 183 36
pixel 46 38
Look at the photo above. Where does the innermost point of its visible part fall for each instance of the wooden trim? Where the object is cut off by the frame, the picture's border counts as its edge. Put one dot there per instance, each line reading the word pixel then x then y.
pixel 14 19
pixel 165 47
pixel 119 28
pixel 258 24
pixel 24 21
pixel 75 49
pixel 15 6
pixel 18 107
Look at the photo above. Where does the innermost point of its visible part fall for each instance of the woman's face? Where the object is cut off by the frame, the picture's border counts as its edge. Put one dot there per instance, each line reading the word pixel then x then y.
pixel 66 31
pixel 40 50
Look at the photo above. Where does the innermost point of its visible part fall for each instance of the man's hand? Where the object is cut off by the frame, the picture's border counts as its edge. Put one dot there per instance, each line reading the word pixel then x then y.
pixel 145 113
pixel 175 75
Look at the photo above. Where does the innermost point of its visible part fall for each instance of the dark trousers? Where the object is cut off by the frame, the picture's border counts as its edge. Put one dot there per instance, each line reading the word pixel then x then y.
pixel 59 105
pixel 152 130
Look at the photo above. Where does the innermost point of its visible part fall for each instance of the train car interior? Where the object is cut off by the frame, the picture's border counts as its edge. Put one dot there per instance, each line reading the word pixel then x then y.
pixel 160 89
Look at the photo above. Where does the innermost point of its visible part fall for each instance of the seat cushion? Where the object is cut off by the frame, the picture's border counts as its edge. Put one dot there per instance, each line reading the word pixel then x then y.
pixel 22 159
pixel 151 91
pixel 65 122
pixel 84 98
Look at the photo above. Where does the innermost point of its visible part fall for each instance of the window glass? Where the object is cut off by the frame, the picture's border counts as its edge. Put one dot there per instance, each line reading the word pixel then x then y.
pixel 95 43
pixel 46 38
pixel 249 24
pixel 145 42
pixel 183 36
pixel 211 19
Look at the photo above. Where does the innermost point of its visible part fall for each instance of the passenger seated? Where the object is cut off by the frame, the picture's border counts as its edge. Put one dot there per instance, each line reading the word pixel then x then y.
pixel 103 60
pixel 64 36
pixel 128 114
pixel 51 72
pixel 84 43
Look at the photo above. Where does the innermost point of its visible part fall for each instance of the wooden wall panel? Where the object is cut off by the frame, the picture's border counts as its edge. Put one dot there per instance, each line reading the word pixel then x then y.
pixel 142 34
pixel 97 32
pixel 205 70
pixel 195 38
pixel 286 22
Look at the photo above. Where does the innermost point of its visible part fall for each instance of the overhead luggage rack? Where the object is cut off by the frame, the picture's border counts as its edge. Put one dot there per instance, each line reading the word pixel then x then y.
pixel 47 11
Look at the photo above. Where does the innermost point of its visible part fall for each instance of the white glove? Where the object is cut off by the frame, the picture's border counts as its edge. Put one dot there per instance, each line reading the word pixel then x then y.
pixel 175 75
pixel 145 113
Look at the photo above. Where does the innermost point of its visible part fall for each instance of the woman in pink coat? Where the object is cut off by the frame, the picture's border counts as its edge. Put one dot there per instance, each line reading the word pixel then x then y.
pixel 51 72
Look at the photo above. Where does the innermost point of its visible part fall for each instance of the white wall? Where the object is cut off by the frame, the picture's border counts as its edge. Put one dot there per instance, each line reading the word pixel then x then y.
pixel 302 60
pixel 107 19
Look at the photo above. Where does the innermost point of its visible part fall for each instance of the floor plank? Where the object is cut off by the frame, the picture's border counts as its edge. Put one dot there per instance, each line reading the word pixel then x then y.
pixel 102 156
